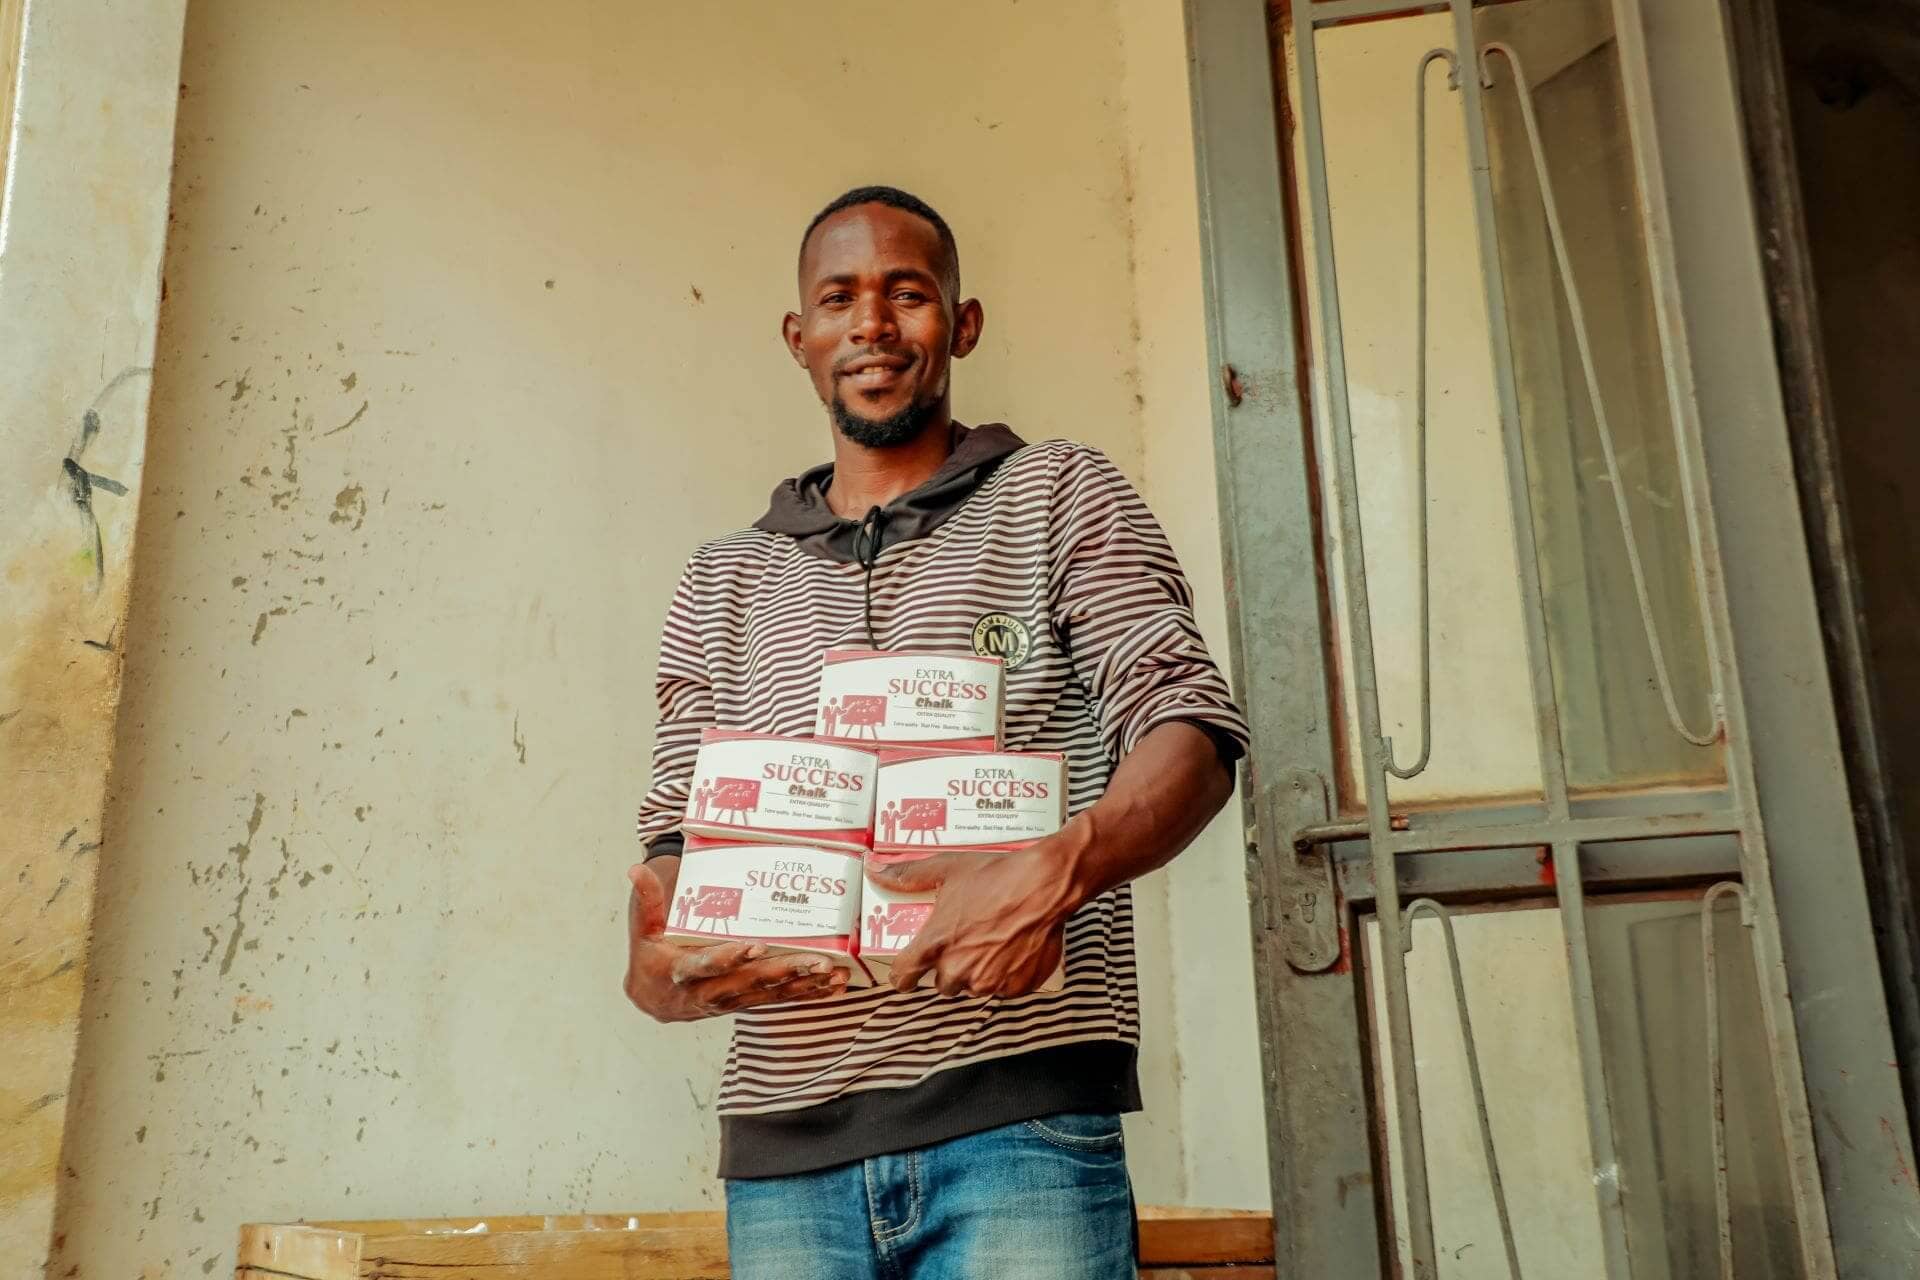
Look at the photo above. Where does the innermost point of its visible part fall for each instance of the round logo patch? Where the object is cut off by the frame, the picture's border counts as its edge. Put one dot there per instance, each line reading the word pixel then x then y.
pixel 1002 636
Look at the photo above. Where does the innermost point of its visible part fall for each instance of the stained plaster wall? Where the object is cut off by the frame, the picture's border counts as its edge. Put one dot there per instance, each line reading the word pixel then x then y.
pixel 470 333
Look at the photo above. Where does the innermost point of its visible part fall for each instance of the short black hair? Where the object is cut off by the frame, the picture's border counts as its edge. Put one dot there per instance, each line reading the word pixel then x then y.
pixel 906 201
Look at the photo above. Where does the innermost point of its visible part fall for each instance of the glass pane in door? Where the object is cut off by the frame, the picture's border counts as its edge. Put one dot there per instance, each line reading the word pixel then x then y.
pixel 1650 990
pixel 1514 967
pixel 1607 366
pixel 1484 744
pixel 1650 986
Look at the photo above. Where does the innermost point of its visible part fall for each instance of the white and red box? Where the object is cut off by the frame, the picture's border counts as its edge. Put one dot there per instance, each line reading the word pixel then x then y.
pixel 764 787
pixel 787 898
pixel 889 922
pixel 930 801
pixel 985 801
pixel 878 698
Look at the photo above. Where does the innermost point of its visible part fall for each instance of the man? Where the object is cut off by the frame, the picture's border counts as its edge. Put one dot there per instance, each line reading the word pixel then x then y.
pixel 972 1129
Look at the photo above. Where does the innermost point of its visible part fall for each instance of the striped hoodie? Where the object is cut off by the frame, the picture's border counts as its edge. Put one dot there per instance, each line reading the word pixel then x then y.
pixel 1043 555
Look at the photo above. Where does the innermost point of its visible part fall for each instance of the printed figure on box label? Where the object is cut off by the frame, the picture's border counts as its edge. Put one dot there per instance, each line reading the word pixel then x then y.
pixel 717 907
pixel 924 819
pixel 681 908
pixel 925 536
pixel 700 799
pixel 874 923
pixel 904 920
pixel 863 713
pixel 736 799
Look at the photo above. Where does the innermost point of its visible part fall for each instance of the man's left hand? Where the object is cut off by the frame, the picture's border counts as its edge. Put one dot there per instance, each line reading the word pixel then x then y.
pixel 998 925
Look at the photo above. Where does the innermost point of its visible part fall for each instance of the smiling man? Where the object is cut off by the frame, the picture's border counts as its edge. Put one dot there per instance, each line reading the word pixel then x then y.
pixel 973 1129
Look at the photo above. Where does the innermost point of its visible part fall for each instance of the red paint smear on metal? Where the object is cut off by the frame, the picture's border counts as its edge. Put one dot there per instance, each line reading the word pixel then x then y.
pixel 1345 963
pixel 1905 1173
pixel 1545 859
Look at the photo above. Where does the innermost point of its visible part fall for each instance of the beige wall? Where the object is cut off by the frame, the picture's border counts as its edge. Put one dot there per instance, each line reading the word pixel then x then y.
pixel 1222 1117
pixel 470 335
pixel 86 151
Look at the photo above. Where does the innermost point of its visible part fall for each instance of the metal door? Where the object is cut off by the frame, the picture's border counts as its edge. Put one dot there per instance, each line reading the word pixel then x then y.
pixel 1564 954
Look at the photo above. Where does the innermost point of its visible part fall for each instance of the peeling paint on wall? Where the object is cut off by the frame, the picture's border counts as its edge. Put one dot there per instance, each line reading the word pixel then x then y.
pixel 389 655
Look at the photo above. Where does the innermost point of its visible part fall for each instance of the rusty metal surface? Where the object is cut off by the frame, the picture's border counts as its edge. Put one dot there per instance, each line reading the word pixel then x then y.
pixel 1754 29
pixel 1327 1216
pixel 1777 823
pixel 1494 875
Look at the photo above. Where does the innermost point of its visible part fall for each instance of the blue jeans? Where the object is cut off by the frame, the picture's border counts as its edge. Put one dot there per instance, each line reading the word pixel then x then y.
pixel 1042 1200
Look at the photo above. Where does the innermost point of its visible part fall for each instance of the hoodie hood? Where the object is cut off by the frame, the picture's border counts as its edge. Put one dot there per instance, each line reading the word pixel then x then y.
pixel 799 506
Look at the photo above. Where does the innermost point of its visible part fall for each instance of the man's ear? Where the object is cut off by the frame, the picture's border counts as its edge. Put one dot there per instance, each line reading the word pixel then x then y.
pixel 790 331
pixel 968 320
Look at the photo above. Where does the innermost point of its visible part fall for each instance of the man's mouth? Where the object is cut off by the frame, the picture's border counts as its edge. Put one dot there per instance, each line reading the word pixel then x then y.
pixel 871 372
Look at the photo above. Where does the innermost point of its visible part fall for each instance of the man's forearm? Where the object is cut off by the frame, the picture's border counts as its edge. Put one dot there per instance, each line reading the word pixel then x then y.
pixel 1159 799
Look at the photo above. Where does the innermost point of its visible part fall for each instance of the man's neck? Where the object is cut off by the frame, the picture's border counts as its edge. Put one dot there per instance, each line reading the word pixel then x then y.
pixel 865 478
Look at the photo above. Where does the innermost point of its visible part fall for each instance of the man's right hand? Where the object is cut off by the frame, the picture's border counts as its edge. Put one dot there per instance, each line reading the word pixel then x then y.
pixel 680 984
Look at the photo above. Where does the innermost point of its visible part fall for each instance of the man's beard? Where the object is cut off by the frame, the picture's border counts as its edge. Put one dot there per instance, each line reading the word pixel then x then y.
pixel 883 433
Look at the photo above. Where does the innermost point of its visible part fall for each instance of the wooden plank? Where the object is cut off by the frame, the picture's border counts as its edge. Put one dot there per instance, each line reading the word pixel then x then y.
pixel 497 1223
pixel 647 1253
pixel 1194 1237
pixel 310 1252
pixel 1208 1244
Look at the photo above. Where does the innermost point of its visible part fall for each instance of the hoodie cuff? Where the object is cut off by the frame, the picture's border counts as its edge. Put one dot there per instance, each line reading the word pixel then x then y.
pixel 670 845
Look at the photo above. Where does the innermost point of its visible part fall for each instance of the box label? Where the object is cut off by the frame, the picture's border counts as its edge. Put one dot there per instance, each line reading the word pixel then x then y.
pixel 782 788
pixel 991 800
pixel 911 698
pixel 763 891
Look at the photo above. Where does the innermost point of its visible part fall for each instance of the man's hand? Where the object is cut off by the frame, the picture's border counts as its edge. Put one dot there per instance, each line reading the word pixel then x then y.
pixel 998 925
pixel 680 984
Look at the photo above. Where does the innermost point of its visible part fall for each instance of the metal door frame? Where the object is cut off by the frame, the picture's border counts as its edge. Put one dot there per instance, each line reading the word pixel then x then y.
pixel 1754 26
pixel 1785 777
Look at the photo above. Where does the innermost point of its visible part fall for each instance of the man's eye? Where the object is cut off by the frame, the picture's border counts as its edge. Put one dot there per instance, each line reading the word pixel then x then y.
pixel 909 295
pixel 836 300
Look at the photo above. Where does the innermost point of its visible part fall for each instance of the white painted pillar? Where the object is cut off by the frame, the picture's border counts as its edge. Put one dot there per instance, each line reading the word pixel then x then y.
pixel 83 217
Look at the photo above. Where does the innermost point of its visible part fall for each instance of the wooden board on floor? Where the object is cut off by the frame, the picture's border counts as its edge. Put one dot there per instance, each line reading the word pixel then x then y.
pixel 1198 1237
pixel 1175 1244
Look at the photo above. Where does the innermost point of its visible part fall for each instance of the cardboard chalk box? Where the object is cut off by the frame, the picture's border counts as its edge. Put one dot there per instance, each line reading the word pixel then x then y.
pixel 889 922
pixel 987 801
pixel 763 787
pixel 874 698
pixel 788 898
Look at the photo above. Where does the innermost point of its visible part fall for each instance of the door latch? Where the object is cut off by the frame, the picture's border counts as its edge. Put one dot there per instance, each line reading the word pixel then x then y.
pixel 1293 881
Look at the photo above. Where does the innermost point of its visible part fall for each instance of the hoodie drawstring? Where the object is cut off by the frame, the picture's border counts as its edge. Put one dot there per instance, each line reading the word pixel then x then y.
pixel 866 550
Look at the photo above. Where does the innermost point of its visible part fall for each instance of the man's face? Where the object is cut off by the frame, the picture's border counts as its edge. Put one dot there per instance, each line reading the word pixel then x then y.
pixel 878 326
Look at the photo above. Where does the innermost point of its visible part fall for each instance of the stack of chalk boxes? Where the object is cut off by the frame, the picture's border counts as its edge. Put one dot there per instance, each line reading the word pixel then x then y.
pixel 904 762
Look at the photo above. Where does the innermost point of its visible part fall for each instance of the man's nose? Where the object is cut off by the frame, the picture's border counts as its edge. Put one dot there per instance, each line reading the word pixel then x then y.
pixel 873 321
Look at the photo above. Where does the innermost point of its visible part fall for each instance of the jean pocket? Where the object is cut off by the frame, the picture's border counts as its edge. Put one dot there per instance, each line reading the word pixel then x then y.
pixel 1079 1130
